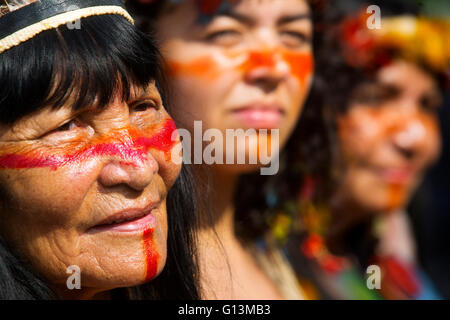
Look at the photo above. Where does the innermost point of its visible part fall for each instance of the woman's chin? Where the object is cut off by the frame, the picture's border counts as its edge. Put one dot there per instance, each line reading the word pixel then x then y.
pixel 123 275
pixel 111 261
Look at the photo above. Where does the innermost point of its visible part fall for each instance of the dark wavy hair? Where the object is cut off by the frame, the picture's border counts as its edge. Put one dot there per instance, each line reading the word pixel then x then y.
pixel 312 150
pixel 89 65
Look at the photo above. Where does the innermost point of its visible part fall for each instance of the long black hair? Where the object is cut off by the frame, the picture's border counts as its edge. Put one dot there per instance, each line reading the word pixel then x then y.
pixel 88 65
pixel 335 87
pixel 313 148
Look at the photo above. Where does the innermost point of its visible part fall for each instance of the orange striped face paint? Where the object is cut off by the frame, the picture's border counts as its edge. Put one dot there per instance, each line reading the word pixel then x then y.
pixel 210 67
pixel 128 143
pixel 301 64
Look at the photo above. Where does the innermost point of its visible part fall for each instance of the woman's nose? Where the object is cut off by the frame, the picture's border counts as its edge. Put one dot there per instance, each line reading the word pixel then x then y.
pixel 409 136
pixel 266 68
pixel 134 173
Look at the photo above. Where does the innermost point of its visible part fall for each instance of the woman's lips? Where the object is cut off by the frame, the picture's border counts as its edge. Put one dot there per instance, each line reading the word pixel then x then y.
pixel 260 116
pixel 135 220
pixel 401 176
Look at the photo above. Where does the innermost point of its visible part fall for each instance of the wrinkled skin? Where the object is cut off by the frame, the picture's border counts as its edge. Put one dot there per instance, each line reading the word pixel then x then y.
pixel 47 213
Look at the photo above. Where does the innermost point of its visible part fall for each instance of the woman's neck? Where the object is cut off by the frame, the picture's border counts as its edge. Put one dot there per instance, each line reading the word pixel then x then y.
pixel 227 269
pixel 220 213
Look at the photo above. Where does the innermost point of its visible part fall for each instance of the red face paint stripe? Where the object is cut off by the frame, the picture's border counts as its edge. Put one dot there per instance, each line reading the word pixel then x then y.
pixel 161 141
pixel 17 161
pixel 130 149
pixel 150 254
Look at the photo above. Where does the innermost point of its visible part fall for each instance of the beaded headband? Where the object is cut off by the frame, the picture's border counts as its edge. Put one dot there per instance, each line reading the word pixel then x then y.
pixel 21 20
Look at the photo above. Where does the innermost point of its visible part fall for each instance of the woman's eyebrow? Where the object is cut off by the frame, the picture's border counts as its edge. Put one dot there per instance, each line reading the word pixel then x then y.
pixel 137 92
pixel 294 17
pixel 140 95
pixel 245 19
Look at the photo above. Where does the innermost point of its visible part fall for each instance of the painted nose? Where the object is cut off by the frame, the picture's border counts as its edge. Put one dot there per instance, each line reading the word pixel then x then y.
pixel 136 175
pixel 130 166
pixel 409 137
pixel 266 69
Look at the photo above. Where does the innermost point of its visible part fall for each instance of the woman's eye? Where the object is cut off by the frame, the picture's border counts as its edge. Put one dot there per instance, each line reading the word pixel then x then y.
pixel 374 95
pixel 294 39
pixel 143 106
pixel 224 37
pixel 431 104
pixel 68 126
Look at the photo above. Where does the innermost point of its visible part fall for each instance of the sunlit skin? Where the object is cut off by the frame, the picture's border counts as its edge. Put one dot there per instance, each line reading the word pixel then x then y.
pixel 64 173
pixel 257 56
pixel 129 144
pixel 300 64
pixel 247 68
pixel 388 142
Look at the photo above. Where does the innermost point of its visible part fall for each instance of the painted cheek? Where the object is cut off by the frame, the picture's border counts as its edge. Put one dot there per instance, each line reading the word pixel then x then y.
pixel 164 140
pixel 151 255
pixel 301 64
pixel 364 125
pixel 203 67
pixel 127 144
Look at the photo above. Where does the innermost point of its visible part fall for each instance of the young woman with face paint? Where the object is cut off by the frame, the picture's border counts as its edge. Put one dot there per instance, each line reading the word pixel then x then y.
pixel 86 181
pixel 241 64
pixel 380 98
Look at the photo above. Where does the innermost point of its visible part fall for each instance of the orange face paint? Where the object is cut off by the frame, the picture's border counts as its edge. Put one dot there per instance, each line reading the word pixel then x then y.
pixel 201 67
pixel 396 196
pixel 259 59
pixel 129 144
pixel 301 64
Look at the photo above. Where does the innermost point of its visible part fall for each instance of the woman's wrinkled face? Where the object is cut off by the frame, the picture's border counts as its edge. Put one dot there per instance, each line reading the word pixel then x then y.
pixel 247 67
pixel 389 137
pixel 88 188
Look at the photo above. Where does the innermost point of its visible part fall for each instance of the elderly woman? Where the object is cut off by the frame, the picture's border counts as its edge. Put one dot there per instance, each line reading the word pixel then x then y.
pixel 85 159
pixel 381 90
